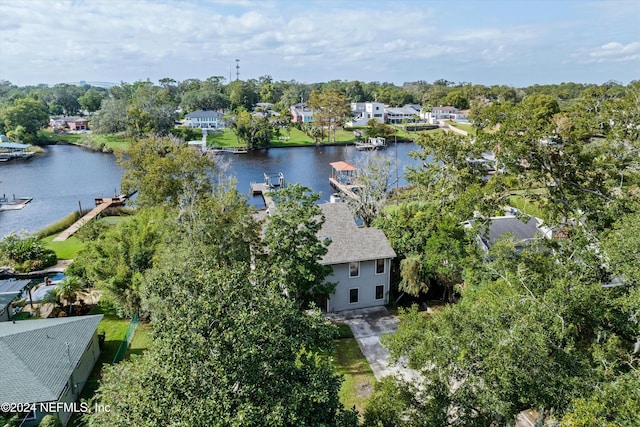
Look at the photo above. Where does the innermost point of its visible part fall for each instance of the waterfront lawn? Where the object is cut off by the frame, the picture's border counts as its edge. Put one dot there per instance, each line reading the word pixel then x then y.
pixel 108 142
pixel 226 138
pixel 359 380
pixel 67 249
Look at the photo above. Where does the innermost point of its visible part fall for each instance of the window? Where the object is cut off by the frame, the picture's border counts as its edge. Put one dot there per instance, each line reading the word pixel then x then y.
pixel 379 291
pixel 380 266
pixel 354 269
pixel 353 296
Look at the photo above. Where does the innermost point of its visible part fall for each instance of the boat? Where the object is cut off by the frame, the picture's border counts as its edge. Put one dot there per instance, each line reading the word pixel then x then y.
pixel 376 143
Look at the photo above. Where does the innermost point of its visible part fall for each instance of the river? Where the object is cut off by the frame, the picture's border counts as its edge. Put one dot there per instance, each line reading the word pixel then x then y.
pixel 65 175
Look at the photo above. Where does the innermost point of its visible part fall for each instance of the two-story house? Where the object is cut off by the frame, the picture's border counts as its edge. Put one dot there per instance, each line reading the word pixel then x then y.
pixel 360 258
pixel 204 119
pixel 301 113
pixel 365 111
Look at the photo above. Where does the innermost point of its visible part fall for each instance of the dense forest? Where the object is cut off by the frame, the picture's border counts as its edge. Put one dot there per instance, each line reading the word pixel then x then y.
pixel 553 326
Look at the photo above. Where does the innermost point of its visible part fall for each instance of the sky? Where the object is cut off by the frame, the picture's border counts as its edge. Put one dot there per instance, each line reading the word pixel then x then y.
pixel 513 42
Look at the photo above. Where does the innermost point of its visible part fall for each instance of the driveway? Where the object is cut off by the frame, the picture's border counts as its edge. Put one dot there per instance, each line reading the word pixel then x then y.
pixel 368 325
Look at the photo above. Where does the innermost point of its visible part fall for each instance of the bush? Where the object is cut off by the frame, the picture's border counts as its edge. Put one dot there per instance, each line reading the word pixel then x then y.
pixel 26 254
pixel 54 228
pixel 50 421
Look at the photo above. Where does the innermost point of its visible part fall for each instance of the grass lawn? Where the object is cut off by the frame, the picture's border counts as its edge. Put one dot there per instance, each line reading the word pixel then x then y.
pixel 141 340
pixel 529 207
pixel 359 380
pixel 66 249
pixel 463 126
pixel 111 141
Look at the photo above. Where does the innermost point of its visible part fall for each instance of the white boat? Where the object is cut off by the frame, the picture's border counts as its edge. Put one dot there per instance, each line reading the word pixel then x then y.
pixel 377 143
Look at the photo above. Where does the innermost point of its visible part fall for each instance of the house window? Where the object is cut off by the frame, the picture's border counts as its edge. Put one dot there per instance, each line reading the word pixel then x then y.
pixel 380 266
pixel 353 296
pixel 354 269
pixel 379 291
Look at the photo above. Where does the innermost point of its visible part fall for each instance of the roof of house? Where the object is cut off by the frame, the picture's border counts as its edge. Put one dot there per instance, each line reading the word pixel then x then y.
pixel 348 241
pixel 400 110
pixel 38 356
pixel 5 299
pixel 12 285
pixel 502 225
pixel 343 166
pixel 14 146
pixel 448 108
pixel 199 114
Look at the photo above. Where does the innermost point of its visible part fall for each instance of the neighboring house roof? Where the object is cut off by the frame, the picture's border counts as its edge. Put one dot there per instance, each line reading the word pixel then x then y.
pixel 38 356
pixel 14 146
pixel 348 241
pixel 450 109
pixel 6 298
pixel 199 114
pixel 400 111
pixel 11 285
pixel 522 232
pixel 3 138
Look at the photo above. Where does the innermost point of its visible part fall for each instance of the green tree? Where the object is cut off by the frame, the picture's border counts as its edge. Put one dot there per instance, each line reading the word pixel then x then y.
pixel 373 178
pixel 92 99
pixel 159 169
pixel 331 110
pixel 111 118
pixel 251 359
pixel 253 131
pixel 70 289
pixel 293 249
pixel 27 113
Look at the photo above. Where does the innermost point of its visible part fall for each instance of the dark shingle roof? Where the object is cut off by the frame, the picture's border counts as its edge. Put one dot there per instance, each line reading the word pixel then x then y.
pixel 348 241
pixel 12 285
pixel 203 114
pixel 38 356
pixel 501 226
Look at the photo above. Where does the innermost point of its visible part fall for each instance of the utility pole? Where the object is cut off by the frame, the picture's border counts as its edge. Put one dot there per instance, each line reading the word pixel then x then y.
pixel 237 69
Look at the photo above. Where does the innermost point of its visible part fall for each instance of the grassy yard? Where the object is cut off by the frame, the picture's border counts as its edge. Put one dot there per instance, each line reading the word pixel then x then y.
pixel 110 142
pixel 529 207
pixel 141 340
pixel 66 249
pixel 463 126
pixel 359 380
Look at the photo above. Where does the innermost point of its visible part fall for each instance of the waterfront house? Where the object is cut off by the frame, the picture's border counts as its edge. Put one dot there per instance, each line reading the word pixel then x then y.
pixel 364 111
pixel 74 123
pixel 441 113
pixel 204 119
pixel 47 360
pixel 301 113
pixel 360 258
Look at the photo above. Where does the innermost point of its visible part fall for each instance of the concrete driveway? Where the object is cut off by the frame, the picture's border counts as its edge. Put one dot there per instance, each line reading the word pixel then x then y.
pixel 368 325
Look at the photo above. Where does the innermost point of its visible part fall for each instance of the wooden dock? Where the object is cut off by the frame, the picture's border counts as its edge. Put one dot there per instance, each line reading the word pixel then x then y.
pixel 234 150
pixel 261 189
pixel 102 204
pixel 348 190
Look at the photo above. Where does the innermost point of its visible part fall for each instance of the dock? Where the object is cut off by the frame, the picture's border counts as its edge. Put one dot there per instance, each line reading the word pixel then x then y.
pixel 234 150
pixel 261 189
pixel 15 204
pixel 102 204
pixel 344 178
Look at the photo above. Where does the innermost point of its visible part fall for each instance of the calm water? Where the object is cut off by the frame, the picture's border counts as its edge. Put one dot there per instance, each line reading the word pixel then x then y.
pixel 66 175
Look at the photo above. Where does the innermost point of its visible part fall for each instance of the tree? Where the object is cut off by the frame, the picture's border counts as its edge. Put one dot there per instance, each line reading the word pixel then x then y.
pixel 70 289
pixel 92 99
pixel 293 248
pixel 116 259
pixel 331 110
pixel 159 169
pixel 253 131
pixel 457 99
pixel 27 113
pixel 111 118
pixel 373 178
pixel 251 359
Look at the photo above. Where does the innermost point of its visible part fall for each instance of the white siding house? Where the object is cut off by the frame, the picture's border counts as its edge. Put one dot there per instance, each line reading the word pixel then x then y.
pixel 365 111
pixel 360 258
pixel 204 119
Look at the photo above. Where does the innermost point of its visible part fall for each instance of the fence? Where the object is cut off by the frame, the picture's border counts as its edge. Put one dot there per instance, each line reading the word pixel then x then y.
pixel 128 337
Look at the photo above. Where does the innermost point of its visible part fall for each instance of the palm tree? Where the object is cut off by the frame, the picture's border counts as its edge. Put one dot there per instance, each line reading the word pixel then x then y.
pixel 69 289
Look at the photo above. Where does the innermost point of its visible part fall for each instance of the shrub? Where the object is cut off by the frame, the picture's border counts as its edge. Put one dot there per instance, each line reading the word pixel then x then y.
pixel 50 421
pixel 26 254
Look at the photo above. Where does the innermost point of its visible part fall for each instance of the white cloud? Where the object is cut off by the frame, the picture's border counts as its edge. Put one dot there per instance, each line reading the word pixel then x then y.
pixel 609 52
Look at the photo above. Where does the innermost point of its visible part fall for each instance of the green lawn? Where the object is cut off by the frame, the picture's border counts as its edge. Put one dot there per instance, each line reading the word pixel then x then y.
pixel 527 206
pixel 66 249
pixel 359 380
pixel 141 340
pixel 110 142
pixel 463 126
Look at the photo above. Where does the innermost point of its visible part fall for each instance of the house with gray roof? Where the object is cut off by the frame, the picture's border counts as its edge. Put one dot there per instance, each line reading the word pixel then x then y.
pixel 522 232
pixel 360 258
pixel 47 360
pixel 204 119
